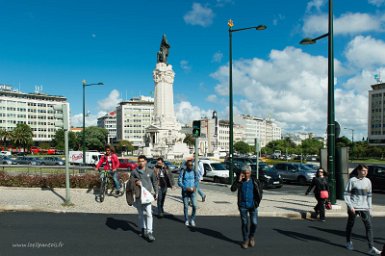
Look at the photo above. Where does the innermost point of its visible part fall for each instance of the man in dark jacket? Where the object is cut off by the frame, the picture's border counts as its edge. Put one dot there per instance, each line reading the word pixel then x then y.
pixel 249 197
pixel 165 180
pixel 145 178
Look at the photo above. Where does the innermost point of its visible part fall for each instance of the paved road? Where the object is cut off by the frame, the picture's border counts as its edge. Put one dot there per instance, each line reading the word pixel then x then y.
pixel 95 234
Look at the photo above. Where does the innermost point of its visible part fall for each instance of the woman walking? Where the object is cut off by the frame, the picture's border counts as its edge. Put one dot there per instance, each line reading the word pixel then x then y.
pixel 321 192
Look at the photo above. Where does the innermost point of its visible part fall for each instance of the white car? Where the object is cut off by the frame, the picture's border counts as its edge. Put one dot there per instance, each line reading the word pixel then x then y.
pixel 215 171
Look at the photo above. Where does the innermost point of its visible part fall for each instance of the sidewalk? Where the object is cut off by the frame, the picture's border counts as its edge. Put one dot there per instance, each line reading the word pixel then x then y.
pixel 275 203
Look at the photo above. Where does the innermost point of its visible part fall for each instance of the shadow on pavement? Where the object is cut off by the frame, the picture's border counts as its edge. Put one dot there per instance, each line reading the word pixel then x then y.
pixel 173 218
pixel 302 212
pixel 54 192
pixel 343 234
pixel 124 225
pixel 214 234
pixel 175 198
pixel 287 202
pixel 304 238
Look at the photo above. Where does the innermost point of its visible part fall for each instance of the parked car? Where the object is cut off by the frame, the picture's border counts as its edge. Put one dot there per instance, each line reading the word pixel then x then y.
pixel 296 172
pixel 125 163
pixel 216 171
pixel 27 160
pixel 152 162
pixel 376 174
pixel 51 160
pixel 7 160
pixel 5 153
pixel 268 176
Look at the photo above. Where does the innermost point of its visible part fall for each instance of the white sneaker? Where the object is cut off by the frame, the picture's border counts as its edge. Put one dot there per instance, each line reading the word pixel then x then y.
pixel 374 251
pixel 187 223
pixel 192 223
pixel 349 246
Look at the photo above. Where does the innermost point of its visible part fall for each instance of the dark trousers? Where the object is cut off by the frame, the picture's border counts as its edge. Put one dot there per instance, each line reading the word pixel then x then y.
pixel 253 214
pixel 320 207
pixel 366 219
pixel 161 197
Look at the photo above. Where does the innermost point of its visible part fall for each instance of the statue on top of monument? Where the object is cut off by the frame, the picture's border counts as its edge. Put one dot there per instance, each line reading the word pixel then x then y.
pixel 164 49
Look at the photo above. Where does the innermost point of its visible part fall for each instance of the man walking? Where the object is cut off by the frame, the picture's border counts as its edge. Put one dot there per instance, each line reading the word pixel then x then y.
pixel 188 181
pixel 201 172
pixel 249 196
pixel 165 180
pixel 358 197
pixel 145 178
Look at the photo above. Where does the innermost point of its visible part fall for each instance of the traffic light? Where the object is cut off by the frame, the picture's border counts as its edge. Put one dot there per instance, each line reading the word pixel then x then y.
pixel 61 116
pixel 196 128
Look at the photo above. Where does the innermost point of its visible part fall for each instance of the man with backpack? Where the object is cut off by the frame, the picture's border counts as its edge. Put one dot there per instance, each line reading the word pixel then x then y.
pixel 188 180
pixel 249 196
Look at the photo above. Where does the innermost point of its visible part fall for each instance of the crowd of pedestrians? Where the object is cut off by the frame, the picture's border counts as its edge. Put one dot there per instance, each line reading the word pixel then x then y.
pixel 358 197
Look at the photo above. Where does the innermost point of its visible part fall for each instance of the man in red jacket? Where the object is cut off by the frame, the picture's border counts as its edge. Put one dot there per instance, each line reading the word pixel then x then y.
pixel 111 163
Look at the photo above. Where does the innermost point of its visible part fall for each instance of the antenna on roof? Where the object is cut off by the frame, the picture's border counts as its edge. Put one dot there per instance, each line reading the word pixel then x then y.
pixel 38 89
pixel 377 77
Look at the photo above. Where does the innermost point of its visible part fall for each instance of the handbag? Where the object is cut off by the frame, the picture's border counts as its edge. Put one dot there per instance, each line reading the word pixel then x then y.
pixel 328 205
pixel 145 196
pixel 324 194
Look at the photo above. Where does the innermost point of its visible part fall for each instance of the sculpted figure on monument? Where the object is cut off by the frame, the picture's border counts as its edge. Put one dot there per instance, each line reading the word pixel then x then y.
pixel 164 50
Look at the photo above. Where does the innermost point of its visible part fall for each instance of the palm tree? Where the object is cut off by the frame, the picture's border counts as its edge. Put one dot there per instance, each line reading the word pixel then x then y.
pixel 22 136
pixel 189 140
pixel 5 137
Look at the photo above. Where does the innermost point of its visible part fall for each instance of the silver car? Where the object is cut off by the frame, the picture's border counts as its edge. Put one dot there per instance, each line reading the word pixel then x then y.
pixel 51 160
pixel 296 172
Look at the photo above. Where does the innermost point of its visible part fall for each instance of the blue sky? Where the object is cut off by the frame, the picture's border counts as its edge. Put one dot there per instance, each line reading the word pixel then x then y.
pixel 57 44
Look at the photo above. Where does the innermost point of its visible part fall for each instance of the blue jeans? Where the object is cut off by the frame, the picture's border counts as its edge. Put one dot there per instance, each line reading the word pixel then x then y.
pixel 200 192
pixel 162 191
pixel 114 177
pixel 253 212
pixel 186 197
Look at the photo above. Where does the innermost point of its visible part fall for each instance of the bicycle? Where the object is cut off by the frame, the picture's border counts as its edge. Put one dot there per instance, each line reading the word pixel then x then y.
pixel 107 184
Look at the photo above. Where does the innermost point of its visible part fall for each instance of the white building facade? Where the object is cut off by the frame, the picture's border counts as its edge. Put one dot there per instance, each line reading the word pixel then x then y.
pixel 108 122
pixel 34 109
pixel 264 130
pixel 376 115
pixel 132 119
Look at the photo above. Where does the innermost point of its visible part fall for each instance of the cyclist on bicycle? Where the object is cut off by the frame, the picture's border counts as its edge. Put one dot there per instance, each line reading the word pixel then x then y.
pixel 111 164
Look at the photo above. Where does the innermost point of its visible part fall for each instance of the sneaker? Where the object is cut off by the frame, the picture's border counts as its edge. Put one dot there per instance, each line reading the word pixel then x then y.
pixel 374 251
pixel 251 242
pixel 349 246
pixel 117 192
pixel 143 233
pixel 204 198
pixel 151 237
pixel 245 244
pixel 187 223
pixel 192 223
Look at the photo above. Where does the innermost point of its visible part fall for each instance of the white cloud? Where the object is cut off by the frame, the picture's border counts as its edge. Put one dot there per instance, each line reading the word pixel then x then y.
pixel 77 120
pixel 348 23
pixel 184 64
pixel 212 98
pixel 365 52
pixel 217 57
pixel 222 3
pixel 110 103
pixel 290 87
pixel 361 82
pixel 316 4
pixel 185 112
pixel 277 19
pixel 377 3
pixel 199 15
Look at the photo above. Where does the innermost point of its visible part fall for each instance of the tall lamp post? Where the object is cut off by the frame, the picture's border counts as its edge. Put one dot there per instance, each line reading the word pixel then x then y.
pixel 331 139
pixel 84 83
pixel 231 140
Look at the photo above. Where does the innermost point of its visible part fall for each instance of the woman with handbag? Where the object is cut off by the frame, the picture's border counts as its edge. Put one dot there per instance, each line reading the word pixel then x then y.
pixel 321 192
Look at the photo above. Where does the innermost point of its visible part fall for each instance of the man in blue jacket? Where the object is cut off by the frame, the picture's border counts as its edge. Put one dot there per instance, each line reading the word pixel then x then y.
pixel 188 180
pixel 249 197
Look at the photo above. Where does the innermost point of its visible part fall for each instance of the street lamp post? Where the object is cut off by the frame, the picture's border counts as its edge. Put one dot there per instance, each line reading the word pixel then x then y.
pixel 331 139
pixel 84 83
pixel 231 128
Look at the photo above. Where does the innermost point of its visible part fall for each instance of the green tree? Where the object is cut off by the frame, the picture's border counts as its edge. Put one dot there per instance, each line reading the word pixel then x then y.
pixel 311 146
pixel 124 146
pixel 96 138
pixel 22 136
pixel 5 137
pixel 189 140
pixel 343 142
pixel 283 145
pixel 242 147
pixel 58 140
